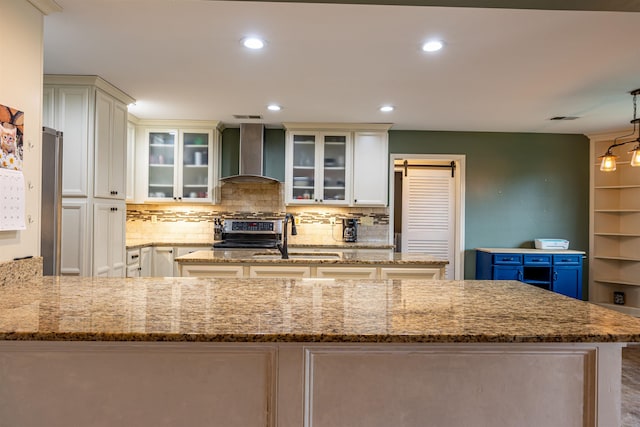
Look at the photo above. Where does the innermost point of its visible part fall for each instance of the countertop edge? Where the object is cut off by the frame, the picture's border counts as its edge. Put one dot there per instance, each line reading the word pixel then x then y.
pixel 313 338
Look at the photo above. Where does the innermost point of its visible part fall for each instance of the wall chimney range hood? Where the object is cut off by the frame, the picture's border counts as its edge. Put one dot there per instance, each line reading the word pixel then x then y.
pixel 251 156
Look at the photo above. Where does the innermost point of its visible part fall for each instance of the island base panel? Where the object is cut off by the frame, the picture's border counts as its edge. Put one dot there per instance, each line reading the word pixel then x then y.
pixel 314 384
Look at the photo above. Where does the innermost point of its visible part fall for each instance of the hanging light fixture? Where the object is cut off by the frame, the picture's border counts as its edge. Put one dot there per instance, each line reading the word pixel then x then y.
pixel 608 159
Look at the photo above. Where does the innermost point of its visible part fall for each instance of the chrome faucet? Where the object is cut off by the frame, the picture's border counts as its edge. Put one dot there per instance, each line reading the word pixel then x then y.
pixel 283 246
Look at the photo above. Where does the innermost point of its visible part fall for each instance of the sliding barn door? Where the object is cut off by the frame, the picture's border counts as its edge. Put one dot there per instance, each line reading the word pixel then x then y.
pixel 428 213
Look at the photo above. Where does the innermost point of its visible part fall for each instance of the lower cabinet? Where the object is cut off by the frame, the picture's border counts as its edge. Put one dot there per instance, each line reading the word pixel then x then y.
pixel 163 261
pixel 332 271
pixel 216 270
pixel 145 261
pixel 109 239
pixel 279 271
pixel 139 262
pixel 398 273
pixel 347 272
pixel 74 259
pixel 555 270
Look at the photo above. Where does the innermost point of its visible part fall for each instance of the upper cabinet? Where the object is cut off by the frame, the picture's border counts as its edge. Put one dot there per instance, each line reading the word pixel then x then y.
pixel 318 171
pixel 92 114
pixel 336 164
pixel 178 162
pixel 110 147
pixel 370 168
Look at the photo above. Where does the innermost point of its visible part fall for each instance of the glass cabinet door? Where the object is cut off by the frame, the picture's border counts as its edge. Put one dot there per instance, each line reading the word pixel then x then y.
pixel 304 160
pixel 161 164
pixel 195 165
pixel 335 153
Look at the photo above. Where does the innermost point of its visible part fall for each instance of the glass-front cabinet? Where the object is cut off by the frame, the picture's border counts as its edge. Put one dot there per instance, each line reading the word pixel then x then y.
pixel 180 165
pixel 317 169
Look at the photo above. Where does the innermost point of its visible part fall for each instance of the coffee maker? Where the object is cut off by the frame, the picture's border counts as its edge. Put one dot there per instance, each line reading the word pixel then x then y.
pixel 349 229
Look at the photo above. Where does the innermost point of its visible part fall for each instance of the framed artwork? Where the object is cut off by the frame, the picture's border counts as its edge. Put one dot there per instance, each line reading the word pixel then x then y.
pixel 11 131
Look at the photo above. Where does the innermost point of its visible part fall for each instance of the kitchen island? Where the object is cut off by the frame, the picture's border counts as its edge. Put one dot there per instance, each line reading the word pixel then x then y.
pixel 314 352
pixel 309 263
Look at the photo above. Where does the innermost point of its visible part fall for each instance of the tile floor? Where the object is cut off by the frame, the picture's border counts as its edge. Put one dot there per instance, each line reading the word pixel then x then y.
pixel 631 386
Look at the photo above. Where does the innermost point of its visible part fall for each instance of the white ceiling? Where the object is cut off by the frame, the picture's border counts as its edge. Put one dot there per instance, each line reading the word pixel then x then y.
pixel 501 70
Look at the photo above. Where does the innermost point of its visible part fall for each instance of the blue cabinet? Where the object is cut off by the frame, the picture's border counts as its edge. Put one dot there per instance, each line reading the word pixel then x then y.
pixel 557 272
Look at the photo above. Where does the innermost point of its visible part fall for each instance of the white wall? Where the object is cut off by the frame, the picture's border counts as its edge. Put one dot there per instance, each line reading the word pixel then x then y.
pixel 21 88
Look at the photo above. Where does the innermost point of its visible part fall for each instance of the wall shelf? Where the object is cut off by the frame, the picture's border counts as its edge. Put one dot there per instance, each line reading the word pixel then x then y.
pixel 614 266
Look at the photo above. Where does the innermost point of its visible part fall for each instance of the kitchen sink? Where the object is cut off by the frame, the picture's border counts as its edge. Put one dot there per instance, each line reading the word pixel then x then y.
pixel 300 255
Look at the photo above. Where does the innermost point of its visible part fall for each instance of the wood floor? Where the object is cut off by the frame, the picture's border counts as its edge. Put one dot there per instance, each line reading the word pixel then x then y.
pixel 631 386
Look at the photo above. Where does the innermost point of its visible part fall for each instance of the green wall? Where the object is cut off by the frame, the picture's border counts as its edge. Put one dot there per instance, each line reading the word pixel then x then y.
pixel 519 186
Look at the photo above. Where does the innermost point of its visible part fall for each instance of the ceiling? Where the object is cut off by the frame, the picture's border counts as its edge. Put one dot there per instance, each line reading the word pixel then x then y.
pixel 507 70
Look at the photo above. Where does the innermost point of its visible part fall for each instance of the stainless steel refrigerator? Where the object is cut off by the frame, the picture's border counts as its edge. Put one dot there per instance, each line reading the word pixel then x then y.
pixel 51 204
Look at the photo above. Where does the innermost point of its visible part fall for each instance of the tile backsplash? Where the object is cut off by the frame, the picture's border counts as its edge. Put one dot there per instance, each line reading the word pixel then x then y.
pixel 182 222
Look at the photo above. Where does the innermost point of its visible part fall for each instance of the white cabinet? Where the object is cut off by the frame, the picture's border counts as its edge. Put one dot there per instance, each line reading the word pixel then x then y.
pixel 614 264
pixel 92 114
pixel 318 171
pixel 279 271
pixel 336 164
pixel 163 261
pixel 422 273
pixel 346 272
pixel 215 270
pixel 370 168
pixel 68 110
pixel 75 238
pixel 110 147
pixel 131 162
pixel 133 262
pixel 108 239
pixel 178 162
pixel 139 262
pixel 145 261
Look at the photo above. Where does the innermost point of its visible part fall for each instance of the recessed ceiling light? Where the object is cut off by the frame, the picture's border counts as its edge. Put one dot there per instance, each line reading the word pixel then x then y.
pixel 253 43
pixel 432 46
pixel 387 108
pixel 274 107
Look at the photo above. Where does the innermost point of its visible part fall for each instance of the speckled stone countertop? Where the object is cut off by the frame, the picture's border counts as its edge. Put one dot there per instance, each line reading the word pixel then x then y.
pixel 217 256
pixel 140 243
pixel 301 310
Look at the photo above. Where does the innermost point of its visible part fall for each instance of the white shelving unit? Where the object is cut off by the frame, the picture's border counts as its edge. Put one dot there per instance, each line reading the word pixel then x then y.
pixel 614 267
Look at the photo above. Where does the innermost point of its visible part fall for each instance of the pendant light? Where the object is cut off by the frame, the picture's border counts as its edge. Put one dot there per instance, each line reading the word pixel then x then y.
pixel 608 159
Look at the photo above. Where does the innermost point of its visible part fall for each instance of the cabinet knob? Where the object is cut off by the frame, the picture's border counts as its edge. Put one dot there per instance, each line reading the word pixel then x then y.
pixel 175 198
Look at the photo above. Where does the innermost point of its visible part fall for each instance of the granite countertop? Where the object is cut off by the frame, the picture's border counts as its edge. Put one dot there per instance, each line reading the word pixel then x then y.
pixel 217 256
pixel 139 243
pixel 301 310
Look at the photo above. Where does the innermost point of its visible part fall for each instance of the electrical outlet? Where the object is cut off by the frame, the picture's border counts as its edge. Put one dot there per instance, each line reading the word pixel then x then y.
pixel 154 219
pixel 297 220
pixel 366 220
pixel 332 220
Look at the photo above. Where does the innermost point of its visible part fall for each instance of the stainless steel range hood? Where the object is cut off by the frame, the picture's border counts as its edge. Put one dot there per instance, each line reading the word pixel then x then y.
pixel 251 155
